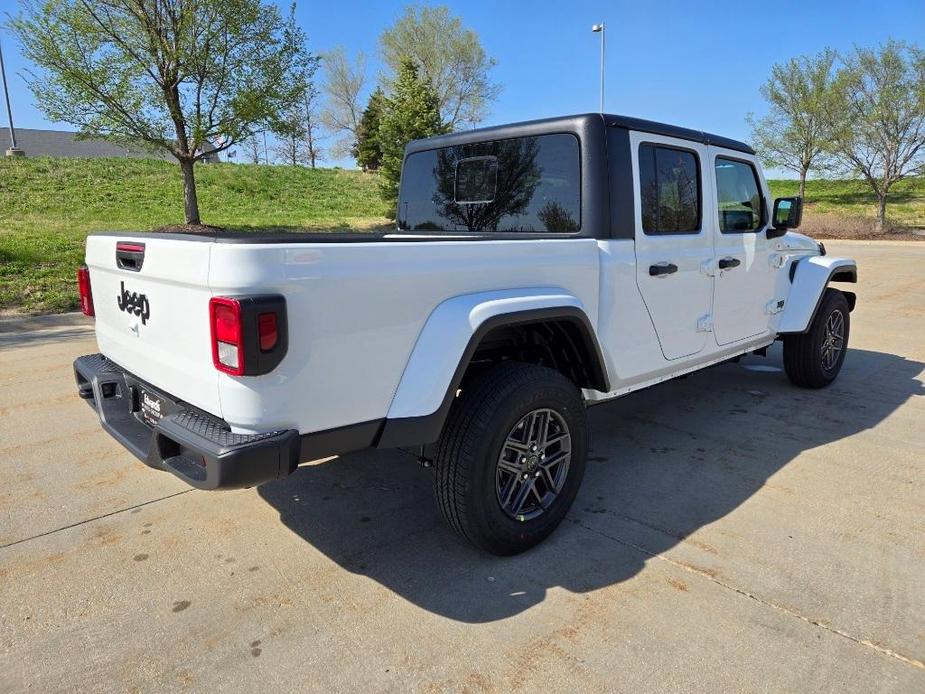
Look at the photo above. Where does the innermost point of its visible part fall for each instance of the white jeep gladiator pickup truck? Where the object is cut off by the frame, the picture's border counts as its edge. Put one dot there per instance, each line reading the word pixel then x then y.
pixel 536 269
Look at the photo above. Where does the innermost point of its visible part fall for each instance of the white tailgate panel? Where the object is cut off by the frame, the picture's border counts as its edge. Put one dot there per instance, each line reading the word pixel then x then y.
pixel 172 349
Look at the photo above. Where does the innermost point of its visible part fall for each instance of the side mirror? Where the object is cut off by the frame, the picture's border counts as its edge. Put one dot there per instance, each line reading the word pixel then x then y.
pixel 788 212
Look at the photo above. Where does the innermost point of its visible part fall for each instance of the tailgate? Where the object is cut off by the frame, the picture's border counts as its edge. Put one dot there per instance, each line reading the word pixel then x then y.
pixel 152 312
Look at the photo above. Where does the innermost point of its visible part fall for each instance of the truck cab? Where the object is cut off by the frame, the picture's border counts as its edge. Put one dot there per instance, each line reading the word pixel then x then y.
pixel 535 269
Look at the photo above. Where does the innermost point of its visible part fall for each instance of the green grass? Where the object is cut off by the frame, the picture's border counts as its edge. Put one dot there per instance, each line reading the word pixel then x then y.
pixel 48 206
pixel 854 199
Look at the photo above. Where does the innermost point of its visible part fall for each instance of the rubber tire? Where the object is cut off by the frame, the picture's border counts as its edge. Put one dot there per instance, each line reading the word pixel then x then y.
pixel 477 425
pixel 803 352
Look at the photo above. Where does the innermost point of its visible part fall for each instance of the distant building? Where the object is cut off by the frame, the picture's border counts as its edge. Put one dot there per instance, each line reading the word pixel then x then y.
pixel 62 143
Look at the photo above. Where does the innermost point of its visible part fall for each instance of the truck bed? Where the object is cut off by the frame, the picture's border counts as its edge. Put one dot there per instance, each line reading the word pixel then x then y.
pixel 356 304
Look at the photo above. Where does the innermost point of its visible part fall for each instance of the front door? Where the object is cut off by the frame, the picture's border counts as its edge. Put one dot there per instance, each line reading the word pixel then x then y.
pixel 744 283
pixel 674 240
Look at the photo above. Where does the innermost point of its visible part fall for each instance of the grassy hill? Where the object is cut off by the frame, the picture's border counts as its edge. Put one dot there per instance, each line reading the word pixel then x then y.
pixel 47 207
pixel 848 208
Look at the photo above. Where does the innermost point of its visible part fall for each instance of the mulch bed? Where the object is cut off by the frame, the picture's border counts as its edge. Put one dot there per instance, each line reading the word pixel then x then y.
pixel 191 228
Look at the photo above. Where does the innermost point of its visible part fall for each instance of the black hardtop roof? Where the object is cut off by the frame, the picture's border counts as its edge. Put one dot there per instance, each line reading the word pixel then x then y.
pixel 575 123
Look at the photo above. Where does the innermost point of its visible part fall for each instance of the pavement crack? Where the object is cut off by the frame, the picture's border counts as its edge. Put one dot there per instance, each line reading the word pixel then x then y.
pixel 95 518
pixel 789 611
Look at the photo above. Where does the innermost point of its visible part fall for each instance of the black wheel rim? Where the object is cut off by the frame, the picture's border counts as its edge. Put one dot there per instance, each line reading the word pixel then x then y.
pixel 833 341
pixel 533 464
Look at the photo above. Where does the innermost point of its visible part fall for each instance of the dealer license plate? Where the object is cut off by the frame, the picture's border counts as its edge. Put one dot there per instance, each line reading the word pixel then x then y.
pixel 151 407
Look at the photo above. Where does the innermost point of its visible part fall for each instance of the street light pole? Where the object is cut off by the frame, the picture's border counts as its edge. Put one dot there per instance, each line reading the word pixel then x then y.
pixel 599 29
pixel 13 150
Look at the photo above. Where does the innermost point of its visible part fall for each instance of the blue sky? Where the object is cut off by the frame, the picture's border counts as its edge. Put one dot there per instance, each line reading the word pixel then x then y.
pixel 696 64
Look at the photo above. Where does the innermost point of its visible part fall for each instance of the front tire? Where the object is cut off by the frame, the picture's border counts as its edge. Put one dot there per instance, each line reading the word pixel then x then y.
pixel 814 358
pixel 511 457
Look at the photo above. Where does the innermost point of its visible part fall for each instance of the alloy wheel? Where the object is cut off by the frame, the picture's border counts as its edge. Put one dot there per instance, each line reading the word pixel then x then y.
pixel 834 340
pixel 533 464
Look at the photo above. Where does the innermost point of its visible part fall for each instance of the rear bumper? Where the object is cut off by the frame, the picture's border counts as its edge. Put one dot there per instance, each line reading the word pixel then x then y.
pixel 197 447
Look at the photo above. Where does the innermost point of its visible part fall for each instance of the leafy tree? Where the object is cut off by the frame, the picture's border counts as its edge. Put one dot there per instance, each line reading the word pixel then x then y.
pixel 451 59
pixel 343 83
pixel 877 119
pixel 369 149
pixel 793 134
pixel 556 217
pixel 410 113
pixel 178 75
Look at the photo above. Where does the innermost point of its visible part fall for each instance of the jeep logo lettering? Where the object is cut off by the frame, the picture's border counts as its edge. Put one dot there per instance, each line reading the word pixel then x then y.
pixel 134 303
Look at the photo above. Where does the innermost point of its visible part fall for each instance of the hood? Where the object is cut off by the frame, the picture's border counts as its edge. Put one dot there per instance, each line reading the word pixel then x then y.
pixel 798 243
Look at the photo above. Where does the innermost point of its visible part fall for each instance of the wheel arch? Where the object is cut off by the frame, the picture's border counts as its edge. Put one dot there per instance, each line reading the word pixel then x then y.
pixel 450 343
pixel 810 277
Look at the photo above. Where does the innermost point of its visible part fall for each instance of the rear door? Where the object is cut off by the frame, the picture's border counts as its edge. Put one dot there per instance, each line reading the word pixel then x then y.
pixel 674 245
pixel 745 279
pixel 151 298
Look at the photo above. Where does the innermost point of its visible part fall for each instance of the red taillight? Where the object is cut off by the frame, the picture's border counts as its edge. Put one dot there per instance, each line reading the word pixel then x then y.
pixel 266 329
pixel 249 333
pixel 83 286
pixel 227 335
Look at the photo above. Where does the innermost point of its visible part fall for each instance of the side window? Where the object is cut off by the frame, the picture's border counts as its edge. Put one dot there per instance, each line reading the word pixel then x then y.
pixel 738 196
pixel 669 187
pixel 522 184
pixel 476 180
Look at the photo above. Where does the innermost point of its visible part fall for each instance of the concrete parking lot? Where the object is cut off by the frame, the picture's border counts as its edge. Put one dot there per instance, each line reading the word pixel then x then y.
pixel 733 533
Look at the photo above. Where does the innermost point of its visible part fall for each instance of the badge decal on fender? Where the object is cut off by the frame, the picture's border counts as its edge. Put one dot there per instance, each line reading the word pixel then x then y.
pixel 134 303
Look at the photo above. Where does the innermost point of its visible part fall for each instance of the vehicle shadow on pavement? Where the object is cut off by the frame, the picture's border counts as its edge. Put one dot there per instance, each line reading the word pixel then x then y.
pixel 664 463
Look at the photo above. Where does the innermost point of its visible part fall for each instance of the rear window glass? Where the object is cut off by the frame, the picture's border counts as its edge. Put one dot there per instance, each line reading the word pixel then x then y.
pixel 476 180
pixel 669 188
pixel 524 184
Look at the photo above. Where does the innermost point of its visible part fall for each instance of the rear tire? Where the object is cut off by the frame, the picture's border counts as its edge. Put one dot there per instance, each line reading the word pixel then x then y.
pixel 518 433
pixel 814 358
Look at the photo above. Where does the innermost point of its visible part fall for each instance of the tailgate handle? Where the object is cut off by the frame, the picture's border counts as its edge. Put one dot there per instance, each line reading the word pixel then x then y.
pixel 130 255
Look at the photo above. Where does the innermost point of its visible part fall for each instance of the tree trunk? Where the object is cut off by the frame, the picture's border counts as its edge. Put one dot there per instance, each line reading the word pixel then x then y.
pixel 803 183
pixel 190 201
pixel 881 212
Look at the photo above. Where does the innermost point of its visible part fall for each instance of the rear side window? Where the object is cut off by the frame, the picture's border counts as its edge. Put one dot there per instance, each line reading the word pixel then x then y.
pixel 669 188
pixel 738 196
pixel 524 184
pixel 476 180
